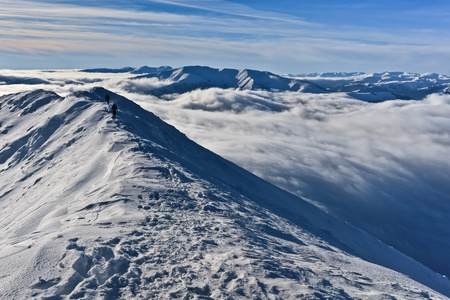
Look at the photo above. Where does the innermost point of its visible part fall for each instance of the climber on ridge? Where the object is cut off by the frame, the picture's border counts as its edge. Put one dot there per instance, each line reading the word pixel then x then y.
pixel 114 110
pixel 107 98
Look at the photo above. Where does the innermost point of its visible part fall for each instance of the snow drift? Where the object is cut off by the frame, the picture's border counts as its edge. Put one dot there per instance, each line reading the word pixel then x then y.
pixel 96 207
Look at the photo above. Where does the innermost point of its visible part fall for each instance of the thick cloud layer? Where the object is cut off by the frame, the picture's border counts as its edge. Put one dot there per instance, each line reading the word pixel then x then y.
pixel 383 167
pixel 220 100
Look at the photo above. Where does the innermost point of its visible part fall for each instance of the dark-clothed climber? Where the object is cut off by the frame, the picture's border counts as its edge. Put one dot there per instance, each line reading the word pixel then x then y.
pixel 114 110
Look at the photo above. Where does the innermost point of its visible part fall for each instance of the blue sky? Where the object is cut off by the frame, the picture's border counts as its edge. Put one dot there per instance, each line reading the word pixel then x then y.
pixel 290 36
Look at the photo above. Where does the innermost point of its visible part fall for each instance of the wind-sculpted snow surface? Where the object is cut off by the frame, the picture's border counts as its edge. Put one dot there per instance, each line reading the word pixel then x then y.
pixel 94 207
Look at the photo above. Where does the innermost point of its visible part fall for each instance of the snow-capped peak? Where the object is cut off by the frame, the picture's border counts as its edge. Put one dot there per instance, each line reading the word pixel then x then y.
pixel 190 78
pixel 129 207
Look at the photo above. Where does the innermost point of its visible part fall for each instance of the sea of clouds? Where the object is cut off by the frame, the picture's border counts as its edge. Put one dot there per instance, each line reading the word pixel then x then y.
pixel 383 167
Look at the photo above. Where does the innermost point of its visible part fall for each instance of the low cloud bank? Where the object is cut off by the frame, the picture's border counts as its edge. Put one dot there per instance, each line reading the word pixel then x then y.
pixel 220 100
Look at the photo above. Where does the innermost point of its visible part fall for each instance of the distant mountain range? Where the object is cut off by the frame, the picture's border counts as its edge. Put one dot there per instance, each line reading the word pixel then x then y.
pixel 141 70
pixel 21 80
pixel 381 86
pixel 187 79
pixel 375 87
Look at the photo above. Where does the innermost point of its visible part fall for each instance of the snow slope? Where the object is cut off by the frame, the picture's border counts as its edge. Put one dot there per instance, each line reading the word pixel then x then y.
pixel 130 208
pixel 190 78
pixel 382 167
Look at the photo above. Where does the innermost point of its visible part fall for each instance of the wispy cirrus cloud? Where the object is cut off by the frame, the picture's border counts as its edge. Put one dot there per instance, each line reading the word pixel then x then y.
pixel 232 8
pixel 215 32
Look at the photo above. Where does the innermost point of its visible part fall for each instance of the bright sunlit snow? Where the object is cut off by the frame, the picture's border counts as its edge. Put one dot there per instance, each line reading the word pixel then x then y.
pixel 97 207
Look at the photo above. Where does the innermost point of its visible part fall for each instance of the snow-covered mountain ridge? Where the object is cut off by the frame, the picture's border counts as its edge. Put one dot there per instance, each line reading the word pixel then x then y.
pixel 190 78
pixel 141 70
pixel 381 86
pixel 130 208
pixel 375 87
pixel 370 87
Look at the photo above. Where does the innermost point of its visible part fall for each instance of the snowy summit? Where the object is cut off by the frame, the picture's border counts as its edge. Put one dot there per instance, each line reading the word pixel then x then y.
pixel 130 208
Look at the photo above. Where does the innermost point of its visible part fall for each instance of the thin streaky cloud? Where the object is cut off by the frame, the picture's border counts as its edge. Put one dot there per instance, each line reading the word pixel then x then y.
pixel 28 11
pixel 217 30
pixel 105 19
